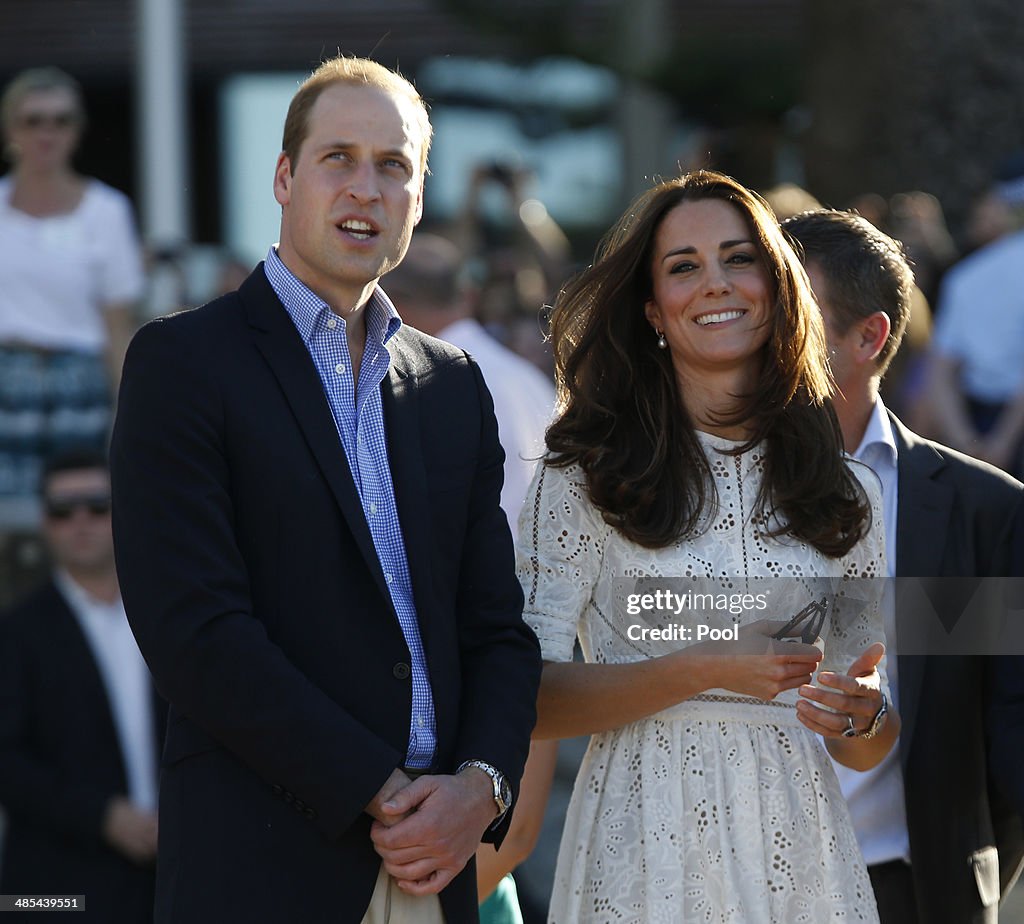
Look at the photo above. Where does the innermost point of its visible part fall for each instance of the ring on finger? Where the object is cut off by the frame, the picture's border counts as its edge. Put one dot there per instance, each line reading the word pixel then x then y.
pixel 850 731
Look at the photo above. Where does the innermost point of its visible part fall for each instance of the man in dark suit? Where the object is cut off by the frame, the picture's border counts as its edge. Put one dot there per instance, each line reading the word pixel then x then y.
pixel 314 559
pixel 79 723
pixel 940 840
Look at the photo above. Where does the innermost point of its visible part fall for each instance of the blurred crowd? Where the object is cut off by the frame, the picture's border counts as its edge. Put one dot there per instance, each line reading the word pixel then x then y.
pixel 78 281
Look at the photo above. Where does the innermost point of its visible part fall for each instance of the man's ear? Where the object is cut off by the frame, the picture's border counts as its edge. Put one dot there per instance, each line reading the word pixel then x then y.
pixel 283 179
pixel 419 204
pixel 874 332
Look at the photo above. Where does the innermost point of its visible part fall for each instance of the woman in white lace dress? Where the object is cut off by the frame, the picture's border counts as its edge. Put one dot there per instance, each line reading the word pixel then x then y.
pixel 694 486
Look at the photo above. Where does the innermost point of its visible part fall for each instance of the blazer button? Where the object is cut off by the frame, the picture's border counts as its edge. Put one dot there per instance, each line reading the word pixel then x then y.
pixel 309 813
pixel 299 805
pixel 288 797
pixel 277 790
pixel 401 671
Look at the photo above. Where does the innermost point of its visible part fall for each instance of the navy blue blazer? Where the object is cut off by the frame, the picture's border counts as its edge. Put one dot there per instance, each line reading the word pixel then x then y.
pixel 252 584
pixel 955 518
pixel 60 765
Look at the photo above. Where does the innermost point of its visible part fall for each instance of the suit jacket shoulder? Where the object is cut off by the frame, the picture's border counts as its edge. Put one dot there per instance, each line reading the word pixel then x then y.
pixel 413 351
pixel 39 614
pixel 955 513
pixel 990 485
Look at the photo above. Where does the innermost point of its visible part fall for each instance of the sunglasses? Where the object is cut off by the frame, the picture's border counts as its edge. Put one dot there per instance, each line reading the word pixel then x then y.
pixel 36 120
pixel 63 508
pixel 811 617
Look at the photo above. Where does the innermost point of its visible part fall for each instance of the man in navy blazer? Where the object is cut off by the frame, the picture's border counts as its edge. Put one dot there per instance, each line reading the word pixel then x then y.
pixel 941 840
pixel 80 724
pixel 314 559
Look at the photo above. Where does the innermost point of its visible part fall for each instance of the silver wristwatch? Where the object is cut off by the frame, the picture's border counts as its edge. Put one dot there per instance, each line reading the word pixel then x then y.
pixel 878 721
pixel 502 791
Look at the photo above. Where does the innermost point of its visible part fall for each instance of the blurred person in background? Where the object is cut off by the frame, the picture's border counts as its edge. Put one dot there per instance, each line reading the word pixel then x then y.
pixel 232 271
pixel 517 254
pixel 917 221
pixel 994 211
pixel 72 273
pixel 976 369
pixel 432 292
pixel 788 199
pixel 80 724
pixel 946 515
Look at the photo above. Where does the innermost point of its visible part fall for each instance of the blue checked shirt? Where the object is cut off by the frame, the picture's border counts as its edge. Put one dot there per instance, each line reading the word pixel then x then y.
pixel 359 418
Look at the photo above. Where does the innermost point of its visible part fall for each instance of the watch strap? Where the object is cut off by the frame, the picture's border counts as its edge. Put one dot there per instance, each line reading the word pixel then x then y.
pixel 501 790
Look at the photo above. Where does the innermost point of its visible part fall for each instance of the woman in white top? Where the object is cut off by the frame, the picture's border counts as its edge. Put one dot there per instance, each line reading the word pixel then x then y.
pixel 695 484
pixel 70 276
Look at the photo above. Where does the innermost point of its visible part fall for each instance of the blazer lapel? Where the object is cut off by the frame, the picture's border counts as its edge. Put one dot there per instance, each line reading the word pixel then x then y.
pixel 277 339
pixel 924 506
pixel 399 392
pixel 923 511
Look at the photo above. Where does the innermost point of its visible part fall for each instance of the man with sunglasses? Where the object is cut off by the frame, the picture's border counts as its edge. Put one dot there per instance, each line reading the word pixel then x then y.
pixel 79 721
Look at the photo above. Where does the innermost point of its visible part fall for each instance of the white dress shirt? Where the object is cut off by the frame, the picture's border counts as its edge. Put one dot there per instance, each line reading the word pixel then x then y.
pixel 875 796
pixel 127 681
pixel 524 401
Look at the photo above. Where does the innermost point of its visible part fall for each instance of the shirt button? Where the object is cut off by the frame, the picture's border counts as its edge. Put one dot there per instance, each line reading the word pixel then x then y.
pixel 419 721
pixel 388 576
pixel 373 508
pixel 401 671
pixel 340 368
pixel 332 323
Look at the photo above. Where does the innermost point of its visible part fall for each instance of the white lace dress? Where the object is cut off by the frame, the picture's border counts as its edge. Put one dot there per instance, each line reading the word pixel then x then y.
pixel 721 808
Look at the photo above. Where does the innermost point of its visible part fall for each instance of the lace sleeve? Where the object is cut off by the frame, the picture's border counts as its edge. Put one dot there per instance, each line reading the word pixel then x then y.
pixel 857 618
pixel 558 557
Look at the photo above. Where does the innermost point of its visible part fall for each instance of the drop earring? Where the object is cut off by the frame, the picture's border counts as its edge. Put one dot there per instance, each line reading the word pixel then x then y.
pixel 662 342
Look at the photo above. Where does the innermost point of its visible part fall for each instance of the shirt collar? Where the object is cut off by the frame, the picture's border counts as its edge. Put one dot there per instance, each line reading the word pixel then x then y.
pixel 310 313
pixel 878 433
pixel 79 598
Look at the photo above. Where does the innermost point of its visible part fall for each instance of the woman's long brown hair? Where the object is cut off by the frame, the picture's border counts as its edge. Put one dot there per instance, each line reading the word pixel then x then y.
pixel 621 414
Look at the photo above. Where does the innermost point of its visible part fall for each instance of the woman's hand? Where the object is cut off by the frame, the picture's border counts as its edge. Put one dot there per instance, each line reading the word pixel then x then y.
pixel 757 665
pixel 855 696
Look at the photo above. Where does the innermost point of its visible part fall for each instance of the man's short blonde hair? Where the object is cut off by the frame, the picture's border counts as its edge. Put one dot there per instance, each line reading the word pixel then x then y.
pixel 354 72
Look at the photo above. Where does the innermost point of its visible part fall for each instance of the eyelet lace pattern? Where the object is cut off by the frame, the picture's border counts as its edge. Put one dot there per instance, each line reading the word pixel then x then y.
pixel 722 808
